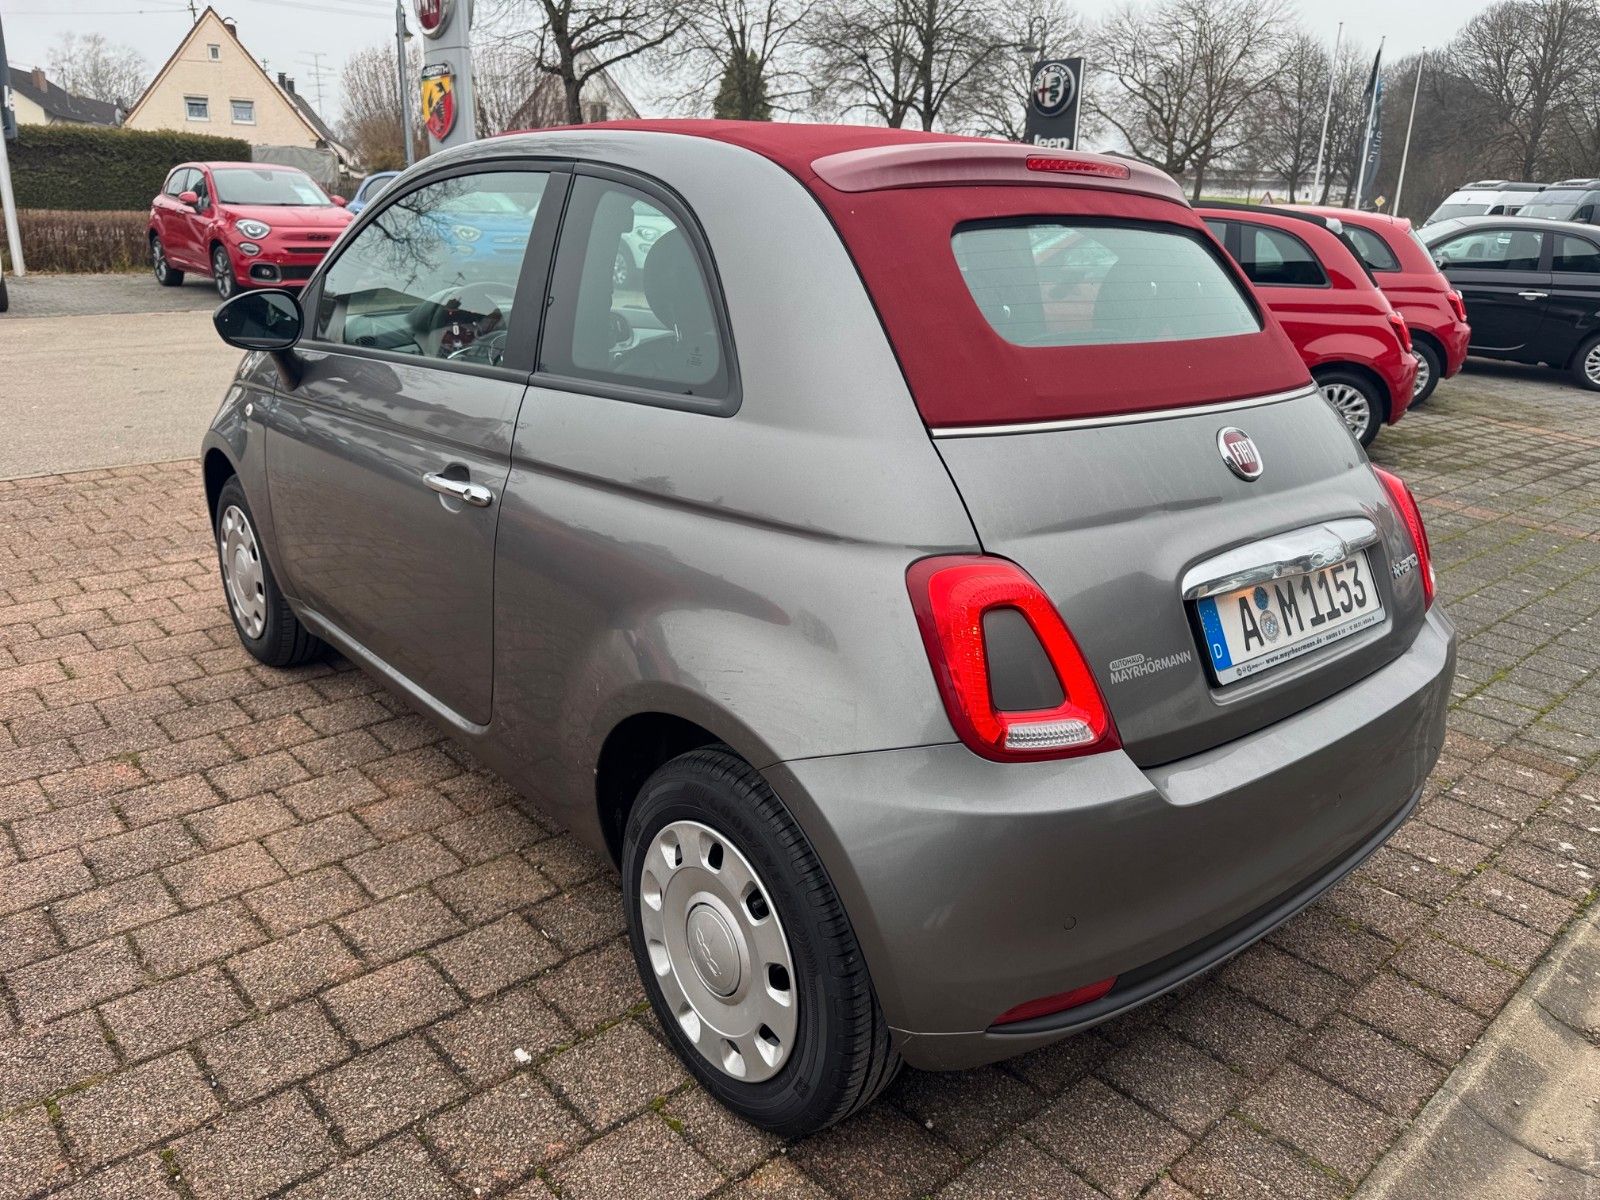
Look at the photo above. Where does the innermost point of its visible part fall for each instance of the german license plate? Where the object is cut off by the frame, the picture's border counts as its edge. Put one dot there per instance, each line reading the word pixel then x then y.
pixel 1258 627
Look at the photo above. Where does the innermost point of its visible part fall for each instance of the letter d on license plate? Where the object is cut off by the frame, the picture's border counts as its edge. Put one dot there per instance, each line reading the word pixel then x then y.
pixel 1258 627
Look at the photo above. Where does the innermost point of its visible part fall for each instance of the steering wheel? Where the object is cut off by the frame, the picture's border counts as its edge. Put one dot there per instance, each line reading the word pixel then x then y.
pixel 480 299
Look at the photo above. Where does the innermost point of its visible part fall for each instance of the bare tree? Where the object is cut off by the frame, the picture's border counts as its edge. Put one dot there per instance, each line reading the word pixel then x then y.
pixel 739 58
pixel 994 103
pixel 574 41
pixel 1530 58
pixel 373 110
pixel 903 60
pixel 504 76
pixel 88 65
pixel 1290 122
pixel 1185 74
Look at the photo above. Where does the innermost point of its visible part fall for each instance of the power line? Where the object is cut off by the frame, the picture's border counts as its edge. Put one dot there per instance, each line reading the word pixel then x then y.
pixel 318 72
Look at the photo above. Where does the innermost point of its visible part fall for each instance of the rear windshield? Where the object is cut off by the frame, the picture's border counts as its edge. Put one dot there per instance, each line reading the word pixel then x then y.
pixel 1372 249
pixel 1053 283
pixel 1555 205
pixel 1445 211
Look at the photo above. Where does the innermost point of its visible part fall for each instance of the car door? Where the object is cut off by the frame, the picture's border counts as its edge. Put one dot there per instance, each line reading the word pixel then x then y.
pixel 177 234
pixel 1572 314
pixel 1502 275
pixel 388 460
pixel 1289 277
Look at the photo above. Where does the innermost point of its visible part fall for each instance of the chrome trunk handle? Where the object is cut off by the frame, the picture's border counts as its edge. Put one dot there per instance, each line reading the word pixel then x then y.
pixel 1296 552
pixel 474 494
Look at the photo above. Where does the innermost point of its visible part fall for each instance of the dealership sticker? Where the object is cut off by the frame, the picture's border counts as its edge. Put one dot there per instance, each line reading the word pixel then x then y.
pixel 1137 666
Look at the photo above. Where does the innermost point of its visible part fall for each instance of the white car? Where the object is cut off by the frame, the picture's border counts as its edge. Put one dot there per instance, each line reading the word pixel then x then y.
pixel 1486 198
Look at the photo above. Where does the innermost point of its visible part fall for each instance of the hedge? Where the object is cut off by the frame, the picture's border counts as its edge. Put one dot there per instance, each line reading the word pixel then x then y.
pixel 98 167
pixel 83 241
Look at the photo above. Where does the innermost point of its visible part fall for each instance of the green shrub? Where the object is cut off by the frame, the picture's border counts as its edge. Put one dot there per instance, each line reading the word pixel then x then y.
pixel 53 240
pixel 98 167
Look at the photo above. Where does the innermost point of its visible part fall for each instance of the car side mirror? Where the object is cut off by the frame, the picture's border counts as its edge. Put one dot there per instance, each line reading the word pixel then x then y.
pixel 269 321
pixel 340 201
pixel 189 198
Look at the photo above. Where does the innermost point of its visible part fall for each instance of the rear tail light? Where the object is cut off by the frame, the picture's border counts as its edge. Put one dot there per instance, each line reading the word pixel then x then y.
pixel 1401 331
pixel 1066 165
pixel 1405 504
pixel 1060 1002
pixel 1457 305
pixel 951 597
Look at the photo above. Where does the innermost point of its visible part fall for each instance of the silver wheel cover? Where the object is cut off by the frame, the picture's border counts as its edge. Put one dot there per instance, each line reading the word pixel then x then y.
pixel 1350 404
pixel 222 273
pixel 1591 364
pixel 1423 373
pixel 242 572
pixel 158 255
pixel 718 951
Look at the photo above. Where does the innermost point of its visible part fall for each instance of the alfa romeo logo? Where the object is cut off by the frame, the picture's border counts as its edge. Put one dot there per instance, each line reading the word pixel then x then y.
pixel 1053 88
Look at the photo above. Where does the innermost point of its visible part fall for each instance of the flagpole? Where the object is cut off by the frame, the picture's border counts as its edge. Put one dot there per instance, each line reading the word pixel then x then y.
pixel 1405 152
pixel 1322 145
pixel 1366 142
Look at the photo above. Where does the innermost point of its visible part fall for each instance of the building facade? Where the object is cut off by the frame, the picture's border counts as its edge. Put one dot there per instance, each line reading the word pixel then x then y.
pixel 37 101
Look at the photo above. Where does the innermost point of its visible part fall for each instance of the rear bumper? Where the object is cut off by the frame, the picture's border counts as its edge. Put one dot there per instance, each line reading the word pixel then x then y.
pixel 1455 340
pixel 975 886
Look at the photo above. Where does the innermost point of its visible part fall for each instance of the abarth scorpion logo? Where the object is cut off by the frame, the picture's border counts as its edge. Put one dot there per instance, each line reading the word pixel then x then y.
pixel 1240 453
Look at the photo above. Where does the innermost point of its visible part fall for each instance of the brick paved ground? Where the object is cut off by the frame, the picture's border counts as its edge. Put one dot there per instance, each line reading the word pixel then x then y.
pixel 266 933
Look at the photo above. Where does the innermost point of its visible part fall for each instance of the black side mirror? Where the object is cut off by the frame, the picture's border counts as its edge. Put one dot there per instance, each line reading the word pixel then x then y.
pixel 265 320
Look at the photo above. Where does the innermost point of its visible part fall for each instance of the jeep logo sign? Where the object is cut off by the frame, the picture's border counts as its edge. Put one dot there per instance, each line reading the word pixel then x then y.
pixel 1054 96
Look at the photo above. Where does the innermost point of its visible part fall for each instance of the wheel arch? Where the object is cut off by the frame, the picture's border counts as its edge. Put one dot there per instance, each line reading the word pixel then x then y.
pixel 634 749
pixel 217 468
pixel 1364 372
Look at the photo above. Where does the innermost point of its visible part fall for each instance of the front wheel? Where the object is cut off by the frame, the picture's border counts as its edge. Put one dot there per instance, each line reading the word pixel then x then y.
pixel 222 273
pixel 745 950
pixel 1586 364
pixel 1355 398
pixel 262 617
pixel 1429 370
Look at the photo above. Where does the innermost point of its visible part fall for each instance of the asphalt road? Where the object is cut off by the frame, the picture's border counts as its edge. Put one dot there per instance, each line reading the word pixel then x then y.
pixel 87 379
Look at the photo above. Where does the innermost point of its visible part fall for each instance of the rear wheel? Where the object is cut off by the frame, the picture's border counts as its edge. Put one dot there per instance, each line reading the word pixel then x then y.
pixel 1586 365
pixel 1429 370
pixel 265 623
pixel 222 273
pixel 745 950
pixel 166 274
pixel 1355 398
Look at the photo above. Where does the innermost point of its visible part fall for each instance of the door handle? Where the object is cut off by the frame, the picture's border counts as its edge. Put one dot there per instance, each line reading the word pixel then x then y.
pixel 474 494
pixel 1534 295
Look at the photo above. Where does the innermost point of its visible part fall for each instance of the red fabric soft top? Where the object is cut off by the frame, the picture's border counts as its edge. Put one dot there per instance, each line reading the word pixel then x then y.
pixel 960 370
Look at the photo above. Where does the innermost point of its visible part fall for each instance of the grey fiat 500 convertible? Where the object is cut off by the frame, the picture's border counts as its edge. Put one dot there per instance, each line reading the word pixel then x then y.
pixel 931 577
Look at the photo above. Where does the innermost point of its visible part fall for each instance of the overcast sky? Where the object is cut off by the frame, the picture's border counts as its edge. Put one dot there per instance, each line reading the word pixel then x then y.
pixel 287 32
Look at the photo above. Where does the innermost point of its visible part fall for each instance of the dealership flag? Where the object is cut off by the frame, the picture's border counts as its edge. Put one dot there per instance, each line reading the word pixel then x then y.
pixel 1372 142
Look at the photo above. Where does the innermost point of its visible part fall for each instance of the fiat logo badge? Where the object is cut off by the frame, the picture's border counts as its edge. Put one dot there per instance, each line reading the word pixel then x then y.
pixel 1240 453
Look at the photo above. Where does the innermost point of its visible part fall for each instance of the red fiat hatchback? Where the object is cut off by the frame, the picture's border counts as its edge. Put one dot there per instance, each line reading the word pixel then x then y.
pixel 1347 332
pixel 243 224
pixel 1434 311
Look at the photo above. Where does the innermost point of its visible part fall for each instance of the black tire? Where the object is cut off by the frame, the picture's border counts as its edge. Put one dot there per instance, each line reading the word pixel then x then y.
pixel 1432 364
pixel 1369 392
pixel 842 1057
pixel 166 274
pixel 5 297
pixel 1586 364
pixel 281 641
pixel 222 273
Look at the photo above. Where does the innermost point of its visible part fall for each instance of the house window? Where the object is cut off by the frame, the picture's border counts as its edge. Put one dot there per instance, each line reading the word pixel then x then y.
pixel 244 112
pixel 215 51
pixel 197 108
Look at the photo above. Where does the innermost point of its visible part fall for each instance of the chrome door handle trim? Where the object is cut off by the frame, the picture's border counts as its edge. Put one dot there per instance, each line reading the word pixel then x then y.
pixel 474 494
pixel 1296 552
pixel 1534 295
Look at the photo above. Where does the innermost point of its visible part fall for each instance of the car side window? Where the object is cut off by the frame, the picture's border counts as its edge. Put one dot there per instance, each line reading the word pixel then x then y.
pixel 177 181
pixel 1576 255
pixel 1219 229
pixel 1373 249
pixel 202 191
pixel 632 303
pixel 435 273
pixel 1492 250
pixel 1272 258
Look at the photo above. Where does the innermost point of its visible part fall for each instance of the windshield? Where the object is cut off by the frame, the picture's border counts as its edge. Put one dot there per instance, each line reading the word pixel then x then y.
pixel 1445 211
pixel 250 185
pixel 1554 205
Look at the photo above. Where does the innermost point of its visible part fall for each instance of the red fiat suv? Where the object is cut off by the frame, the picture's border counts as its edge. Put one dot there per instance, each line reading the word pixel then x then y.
pixel 243 224
pixel 1433 310
pixel 1310 276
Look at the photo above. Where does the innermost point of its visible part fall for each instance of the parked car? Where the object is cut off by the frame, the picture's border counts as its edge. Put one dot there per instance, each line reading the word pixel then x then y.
pixel 1486 197
pixel 1433 310
pixel 1310 275
pixel 244 224
pixel 952 649
pixel 1531 286
pixel 1569 200
pixel 370 187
